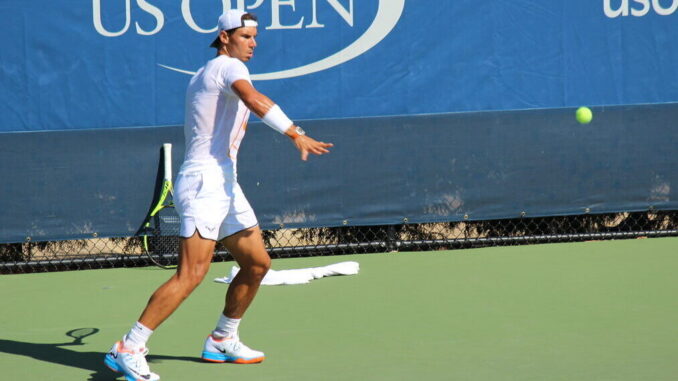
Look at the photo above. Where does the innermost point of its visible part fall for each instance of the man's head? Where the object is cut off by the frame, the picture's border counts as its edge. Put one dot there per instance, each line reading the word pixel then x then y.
pixel 237 32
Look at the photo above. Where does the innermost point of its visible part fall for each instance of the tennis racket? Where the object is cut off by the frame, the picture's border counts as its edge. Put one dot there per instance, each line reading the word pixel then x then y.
pixel 160 234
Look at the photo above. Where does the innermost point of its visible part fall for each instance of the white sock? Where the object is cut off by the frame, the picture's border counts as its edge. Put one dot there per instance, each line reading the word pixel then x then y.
pixel 137 336
pixel 226 327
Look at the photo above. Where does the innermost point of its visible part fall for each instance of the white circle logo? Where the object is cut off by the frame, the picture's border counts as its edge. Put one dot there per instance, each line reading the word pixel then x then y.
pixel 388 15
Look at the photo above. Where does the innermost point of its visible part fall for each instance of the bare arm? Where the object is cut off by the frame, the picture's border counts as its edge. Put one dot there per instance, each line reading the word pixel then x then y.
pixel 260 104
pixel 257 102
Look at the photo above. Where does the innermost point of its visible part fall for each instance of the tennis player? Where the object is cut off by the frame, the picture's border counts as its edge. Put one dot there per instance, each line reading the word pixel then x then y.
pixel 210 202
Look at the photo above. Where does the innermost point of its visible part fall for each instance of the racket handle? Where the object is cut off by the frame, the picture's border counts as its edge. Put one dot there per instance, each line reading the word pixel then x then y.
pixel 167 155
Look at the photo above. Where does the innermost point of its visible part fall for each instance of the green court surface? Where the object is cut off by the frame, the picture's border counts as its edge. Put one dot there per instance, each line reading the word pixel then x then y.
pixel 576 311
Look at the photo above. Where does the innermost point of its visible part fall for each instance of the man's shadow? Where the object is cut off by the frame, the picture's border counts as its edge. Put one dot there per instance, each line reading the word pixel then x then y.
pixel 60 354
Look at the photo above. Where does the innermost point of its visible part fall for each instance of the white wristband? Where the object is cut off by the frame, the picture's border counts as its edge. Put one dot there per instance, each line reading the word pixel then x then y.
pixel 277 120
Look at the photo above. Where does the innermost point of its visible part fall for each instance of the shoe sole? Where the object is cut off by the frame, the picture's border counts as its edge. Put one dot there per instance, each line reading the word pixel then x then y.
pixel 112 365
pixel 222 358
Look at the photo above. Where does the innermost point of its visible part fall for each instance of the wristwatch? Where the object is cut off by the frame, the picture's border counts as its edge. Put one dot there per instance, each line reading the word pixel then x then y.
pixel 296 132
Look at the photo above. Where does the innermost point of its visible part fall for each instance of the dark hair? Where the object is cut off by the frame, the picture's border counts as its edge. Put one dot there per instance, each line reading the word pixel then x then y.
pixel 247 16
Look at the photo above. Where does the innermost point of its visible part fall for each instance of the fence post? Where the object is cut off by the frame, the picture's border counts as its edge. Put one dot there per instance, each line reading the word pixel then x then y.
pixel 391 239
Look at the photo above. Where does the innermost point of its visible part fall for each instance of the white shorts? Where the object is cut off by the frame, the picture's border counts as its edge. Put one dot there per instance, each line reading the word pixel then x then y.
pixel 210 200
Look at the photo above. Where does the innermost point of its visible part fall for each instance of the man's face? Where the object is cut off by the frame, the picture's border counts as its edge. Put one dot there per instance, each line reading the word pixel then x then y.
pixel 241 43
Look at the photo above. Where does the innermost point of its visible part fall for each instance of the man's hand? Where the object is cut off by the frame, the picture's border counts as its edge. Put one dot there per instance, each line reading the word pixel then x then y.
pixel 306 144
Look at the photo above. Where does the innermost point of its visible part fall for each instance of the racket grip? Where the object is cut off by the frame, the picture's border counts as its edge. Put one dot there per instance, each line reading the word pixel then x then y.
pixel 167 156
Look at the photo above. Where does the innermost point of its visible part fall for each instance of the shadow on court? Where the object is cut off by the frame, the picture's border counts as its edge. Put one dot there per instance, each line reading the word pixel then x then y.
pixel 60 354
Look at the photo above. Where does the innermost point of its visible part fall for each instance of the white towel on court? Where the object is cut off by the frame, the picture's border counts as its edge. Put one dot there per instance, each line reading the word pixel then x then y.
pixel 299 276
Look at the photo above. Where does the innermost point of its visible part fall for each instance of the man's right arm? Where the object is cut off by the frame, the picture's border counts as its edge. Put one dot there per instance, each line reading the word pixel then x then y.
pixel 263 107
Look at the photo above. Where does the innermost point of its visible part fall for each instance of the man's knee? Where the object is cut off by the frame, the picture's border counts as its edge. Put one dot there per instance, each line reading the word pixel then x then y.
pixel 198 275
pixel 257 268
pixel 191 277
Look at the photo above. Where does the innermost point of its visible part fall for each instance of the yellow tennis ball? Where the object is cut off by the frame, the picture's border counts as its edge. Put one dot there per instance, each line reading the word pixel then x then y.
pixel 584 115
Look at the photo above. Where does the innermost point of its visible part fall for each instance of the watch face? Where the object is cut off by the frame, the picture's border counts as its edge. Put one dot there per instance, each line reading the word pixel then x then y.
pixel 301 131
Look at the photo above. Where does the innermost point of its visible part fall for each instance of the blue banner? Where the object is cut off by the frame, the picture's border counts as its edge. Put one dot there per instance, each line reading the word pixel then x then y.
pixel 382 170
pixel 68 64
